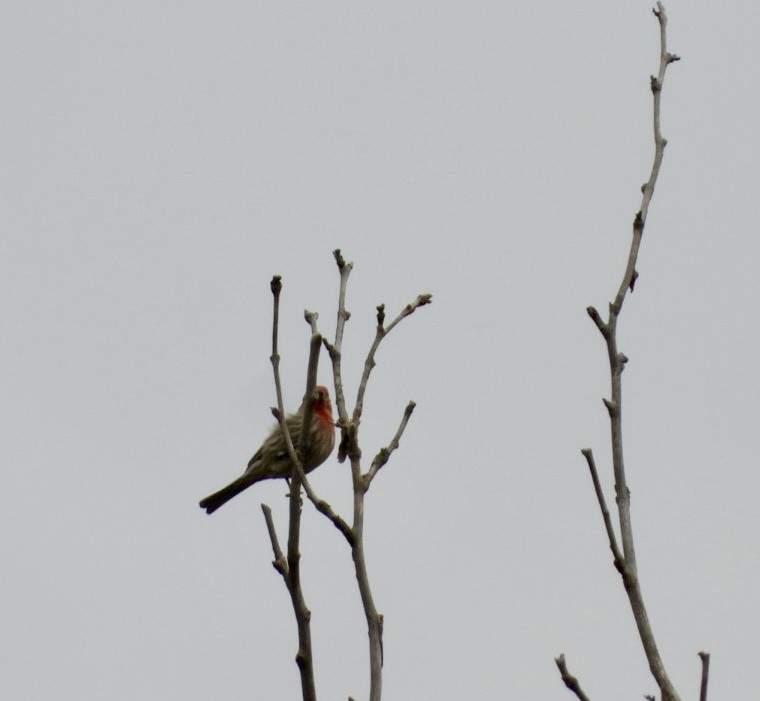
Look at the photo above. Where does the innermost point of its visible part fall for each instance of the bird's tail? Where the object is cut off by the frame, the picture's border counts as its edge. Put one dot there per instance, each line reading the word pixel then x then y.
pixel 212 502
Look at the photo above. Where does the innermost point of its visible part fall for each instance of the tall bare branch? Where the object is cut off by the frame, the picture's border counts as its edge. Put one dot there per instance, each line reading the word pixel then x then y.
pixel 625 562
pixel 290 569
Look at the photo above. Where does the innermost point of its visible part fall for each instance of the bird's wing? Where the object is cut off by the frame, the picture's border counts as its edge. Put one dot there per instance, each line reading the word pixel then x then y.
pixel 254 460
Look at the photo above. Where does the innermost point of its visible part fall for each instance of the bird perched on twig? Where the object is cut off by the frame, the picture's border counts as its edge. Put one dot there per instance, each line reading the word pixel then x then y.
pixel 272 460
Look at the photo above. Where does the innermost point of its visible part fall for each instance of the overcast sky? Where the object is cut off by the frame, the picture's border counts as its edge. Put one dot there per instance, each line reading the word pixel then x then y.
pixel 162 160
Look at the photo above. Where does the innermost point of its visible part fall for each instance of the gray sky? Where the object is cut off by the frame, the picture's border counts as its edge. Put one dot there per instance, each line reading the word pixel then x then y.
pixel 162 160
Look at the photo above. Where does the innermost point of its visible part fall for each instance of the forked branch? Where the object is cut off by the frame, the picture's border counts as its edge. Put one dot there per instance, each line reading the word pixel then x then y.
pixel 349 448
pixel 625 559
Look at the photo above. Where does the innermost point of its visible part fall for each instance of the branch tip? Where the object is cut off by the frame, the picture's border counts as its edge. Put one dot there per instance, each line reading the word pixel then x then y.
pixel 594 314
pixel 569 680
pixel 384 454
pixel 705 658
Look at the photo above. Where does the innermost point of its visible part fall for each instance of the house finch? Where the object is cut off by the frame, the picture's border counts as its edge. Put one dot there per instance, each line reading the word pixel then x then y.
pixel 272 459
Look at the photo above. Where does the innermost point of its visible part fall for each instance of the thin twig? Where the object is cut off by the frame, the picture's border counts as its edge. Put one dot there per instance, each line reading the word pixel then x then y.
pixel 324 508
pixel 570 681
pixel 380 333
pixel 656 83
pixel 617 556
pixel 335 348
pixel 705 658
pixel 279 563
pixel 276 286
pixel 385 453
pixel 279 411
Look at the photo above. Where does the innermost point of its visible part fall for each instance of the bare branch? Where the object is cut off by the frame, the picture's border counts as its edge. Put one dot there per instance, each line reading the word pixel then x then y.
pixel 349 448
pixel 617 556
pixel 385 453
pixel 421 301
pixel 594 314
pixel 374 619
pixel 656 83
pixel 570 681
pixel 335 349
pixel 304 657
pixel 380 333
pixel 279 411
pixel 324 508
pixel 311 320
pixel 279 563
pixel 626 562
pixel 705 658
pixel 276 287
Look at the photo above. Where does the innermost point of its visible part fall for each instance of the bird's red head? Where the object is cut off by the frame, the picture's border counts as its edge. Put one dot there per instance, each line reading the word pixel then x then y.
pixel 320 402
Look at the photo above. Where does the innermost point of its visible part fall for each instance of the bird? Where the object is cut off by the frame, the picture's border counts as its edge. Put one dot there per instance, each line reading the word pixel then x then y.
pixel 272 460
